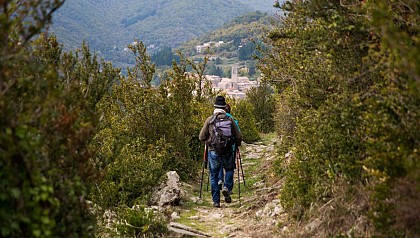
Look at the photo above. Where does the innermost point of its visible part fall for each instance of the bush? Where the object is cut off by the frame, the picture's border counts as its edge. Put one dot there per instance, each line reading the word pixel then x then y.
pixel 243 112
pixel 348 100
pixel 140 221
pixel 131 178
pixel 263 105
pixel 49 119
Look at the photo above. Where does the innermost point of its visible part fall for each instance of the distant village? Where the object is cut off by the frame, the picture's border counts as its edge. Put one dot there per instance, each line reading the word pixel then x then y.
pixel 235 87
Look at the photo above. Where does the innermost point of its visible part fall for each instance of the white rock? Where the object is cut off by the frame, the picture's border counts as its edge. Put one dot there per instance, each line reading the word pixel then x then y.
pixel 175 216
pixel 169 191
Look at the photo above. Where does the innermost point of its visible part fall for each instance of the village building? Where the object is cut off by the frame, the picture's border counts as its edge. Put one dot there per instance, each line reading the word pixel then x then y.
pixel 235 87
pixel 202 48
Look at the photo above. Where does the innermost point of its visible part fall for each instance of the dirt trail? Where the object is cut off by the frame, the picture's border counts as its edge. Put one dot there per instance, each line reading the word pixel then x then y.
pixel 257 215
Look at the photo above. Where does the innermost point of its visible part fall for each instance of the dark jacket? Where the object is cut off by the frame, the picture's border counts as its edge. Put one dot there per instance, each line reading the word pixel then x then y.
pixel 205 131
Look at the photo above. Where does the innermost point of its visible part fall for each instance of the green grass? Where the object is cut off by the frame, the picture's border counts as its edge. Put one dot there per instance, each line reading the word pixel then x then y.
pixel 267 139
pixel 250 178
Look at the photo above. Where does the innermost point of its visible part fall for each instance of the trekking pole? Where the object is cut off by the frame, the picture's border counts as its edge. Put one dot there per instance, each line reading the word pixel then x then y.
pixel 208 182
pixel 203 167
pixel 239 179
pixel 240 162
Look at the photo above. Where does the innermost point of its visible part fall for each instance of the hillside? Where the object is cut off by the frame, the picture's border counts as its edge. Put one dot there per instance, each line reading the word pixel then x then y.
pixel 233 43
pixel 108 26
pixel 242 29
pixel 238 39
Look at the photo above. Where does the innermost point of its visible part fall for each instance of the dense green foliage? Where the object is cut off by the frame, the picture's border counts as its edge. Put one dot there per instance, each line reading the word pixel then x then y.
pixel 49 112
pixel 242 110
pixel 263 103
pixel 348 107
pixel 142 222
pixel 164 57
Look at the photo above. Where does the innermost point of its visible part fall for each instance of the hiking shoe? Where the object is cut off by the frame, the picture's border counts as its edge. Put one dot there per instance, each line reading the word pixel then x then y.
pixel 220 184
pixel 216 204
pixel 226 193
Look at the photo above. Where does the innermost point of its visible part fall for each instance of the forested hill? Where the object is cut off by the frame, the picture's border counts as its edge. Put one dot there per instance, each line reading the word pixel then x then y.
pixel 242 29
pixel 108 26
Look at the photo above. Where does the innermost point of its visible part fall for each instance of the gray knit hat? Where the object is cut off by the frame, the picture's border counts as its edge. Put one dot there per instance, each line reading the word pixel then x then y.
pixel 220 102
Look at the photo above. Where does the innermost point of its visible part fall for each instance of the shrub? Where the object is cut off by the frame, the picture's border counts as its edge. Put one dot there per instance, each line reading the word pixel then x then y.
pixel 132 177
pixel 49 119
pixel 263 104
pixel 140 221
pixel 242 110
pixel 349 100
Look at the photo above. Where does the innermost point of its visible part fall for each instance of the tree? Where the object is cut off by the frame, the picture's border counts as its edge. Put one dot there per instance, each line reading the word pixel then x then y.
pixel 251 68
pixel 49 116
pixel 246 51
pixel 243 111
pixel 392 119
pixel 164 56
pixel 344 102
pixel 48 103
pixel 262 100
pixel 212 69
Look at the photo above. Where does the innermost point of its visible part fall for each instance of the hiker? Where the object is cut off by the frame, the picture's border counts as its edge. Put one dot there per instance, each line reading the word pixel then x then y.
pixel 220 133
pixel 221 177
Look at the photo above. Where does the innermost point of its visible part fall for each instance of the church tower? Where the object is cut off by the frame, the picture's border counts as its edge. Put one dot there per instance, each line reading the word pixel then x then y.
pixel 234 79
pixel 235 73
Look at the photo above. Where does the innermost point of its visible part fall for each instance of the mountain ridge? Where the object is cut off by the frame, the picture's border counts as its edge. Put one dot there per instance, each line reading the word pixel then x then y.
pixel 108 26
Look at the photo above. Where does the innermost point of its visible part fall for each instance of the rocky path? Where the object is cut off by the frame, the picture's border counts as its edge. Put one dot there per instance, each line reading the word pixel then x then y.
pixel 257 214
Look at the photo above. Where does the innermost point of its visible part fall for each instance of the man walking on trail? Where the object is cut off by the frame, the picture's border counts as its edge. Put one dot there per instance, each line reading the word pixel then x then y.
pixel 221 173
pixel 220 133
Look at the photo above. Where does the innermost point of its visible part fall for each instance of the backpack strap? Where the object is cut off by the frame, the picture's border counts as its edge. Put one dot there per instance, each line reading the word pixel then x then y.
pixel 213 117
